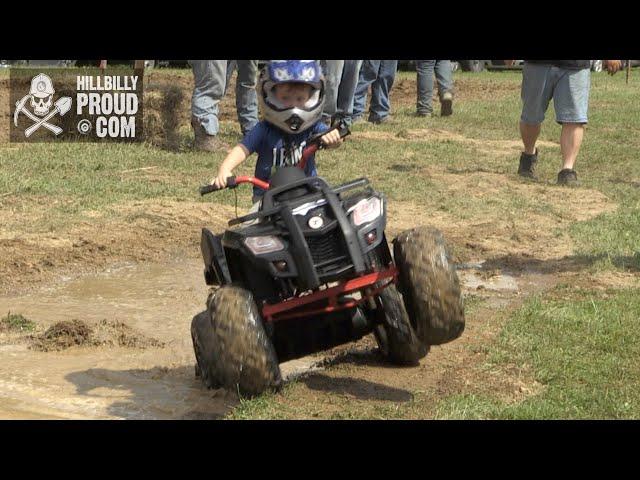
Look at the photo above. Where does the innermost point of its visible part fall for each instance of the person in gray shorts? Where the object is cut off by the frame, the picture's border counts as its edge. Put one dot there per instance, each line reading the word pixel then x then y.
pixel 567 82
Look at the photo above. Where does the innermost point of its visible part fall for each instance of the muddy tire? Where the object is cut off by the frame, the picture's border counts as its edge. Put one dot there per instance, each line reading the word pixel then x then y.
pixel 202 337
pixel 244 359
pixel 395 335
pixel 429 285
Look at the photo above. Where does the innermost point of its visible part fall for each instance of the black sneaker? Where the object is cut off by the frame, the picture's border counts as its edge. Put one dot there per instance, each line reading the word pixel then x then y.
pixel 446 104
pixel 528 164
pixel 568 177
pixel 379 120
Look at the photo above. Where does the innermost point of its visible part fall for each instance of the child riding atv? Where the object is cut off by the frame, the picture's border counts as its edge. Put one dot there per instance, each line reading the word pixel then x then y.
pixel 291 96
pixel 310 268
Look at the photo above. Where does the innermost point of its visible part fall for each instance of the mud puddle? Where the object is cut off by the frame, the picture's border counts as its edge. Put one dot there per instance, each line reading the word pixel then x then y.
pixel 474 276
pixel 148 375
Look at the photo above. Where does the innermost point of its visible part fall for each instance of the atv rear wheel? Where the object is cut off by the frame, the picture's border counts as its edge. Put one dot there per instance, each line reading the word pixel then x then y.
pixel 395 335
pixel 243 355
pixel 202 337
pixel 429 285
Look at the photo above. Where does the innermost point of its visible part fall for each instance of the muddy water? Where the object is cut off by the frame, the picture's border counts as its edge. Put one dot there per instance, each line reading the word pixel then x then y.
pixel 158 301
pixel 112 382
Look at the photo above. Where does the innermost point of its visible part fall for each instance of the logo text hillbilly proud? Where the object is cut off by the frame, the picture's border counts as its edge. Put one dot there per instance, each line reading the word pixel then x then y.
pixel 112 101
pixel 62 104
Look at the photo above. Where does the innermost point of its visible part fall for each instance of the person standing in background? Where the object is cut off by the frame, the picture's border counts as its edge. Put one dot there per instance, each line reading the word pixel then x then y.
pixel 444 77
pixel 380 75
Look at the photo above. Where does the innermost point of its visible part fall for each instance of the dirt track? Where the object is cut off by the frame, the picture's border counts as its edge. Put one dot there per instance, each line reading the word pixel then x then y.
pixel 107 270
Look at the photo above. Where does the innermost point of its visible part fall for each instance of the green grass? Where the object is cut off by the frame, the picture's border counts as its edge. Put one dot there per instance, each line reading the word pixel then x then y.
pixel 16 323
pixel 340 406
pixel 583 352
pixel 262 407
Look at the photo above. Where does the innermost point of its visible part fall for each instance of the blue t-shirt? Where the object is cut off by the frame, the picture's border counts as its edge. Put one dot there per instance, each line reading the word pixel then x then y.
pixel 276 149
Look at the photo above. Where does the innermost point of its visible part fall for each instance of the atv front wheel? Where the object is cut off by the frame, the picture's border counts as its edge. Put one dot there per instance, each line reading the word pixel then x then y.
pixel 429 285
pixel 243 355
pixel 395 335
pixel 202 337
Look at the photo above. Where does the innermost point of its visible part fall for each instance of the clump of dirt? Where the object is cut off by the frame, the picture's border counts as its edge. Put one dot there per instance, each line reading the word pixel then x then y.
pixel 164 115
pixel 76 333
pixel 167 107
pixel 63 335
pixel 115 333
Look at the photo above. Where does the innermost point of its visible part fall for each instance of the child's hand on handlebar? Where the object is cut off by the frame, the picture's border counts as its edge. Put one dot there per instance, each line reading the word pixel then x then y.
pixel 221 179
pixel 331 139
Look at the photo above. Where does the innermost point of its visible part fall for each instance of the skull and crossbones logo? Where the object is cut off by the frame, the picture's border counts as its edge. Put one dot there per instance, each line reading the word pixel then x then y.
pixel 40 98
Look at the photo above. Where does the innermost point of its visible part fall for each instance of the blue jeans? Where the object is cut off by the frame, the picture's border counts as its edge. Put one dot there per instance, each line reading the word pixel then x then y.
pixel 342 79
pixel 246 95
pixel 332 70
pixel 444 77
pixel 209 85
pixel 210 81
pixel 380 74
pixel 347 91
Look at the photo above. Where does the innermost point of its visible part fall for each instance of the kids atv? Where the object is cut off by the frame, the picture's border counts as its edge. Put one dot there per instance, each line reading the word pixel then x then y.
pixel 312 270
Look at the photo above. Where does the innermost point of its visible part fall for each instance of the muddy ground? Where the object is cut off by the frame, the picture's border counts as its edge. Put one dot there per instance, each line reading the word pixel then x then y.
pixel 112 310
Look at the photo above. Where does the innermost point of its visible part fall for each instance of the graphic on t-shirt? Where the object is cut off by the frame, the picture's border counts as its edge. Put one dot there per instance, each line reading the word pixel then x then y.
pixel 288 156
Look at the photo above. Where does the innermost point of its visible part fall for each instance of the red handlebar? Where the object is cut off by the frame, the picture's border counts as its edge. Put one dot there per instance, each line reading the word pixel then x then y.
pixel 253 180
pixel 314 145
pixel 306 153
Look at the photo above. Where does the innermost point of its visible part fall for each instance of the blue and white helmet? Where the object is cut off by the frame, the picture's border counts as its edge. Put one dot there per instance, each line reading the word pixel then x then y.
pixel 293 119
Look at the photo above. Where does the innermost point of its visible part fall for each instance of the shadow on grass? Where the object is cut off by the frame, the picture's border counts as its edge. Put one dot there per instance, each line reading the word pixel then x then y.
pixel 357 388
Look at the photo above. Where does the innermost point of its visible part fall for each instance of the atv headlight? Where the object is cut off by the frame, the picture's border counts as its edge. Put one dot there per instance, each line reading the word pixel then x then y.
pixel 266 244
pixel 366 210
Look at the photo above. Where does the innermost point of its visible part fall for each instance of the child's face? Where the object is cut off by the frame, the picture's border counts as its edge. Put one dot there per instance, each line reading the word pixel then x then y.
pixel 292 95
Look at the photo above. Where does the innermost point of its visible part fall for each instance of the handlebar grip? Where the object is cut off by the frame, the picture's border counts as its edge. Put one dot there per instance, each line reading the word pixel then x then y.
pixel 344 130
pixel 208 189
pixel 231 183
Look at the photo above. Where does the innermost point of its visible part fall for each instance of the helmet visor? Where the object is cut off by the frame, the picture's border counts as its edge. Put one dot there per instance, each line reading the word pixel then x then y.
pixel 270 97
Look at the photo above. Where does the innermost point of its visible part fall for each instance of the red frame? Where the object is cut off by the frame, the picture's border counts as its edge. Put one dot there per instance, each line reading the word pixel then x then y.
pixel 283 310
